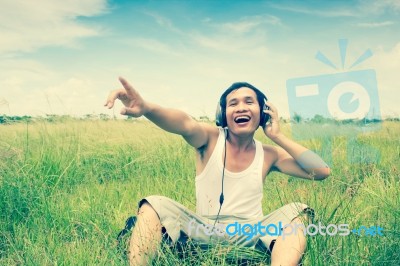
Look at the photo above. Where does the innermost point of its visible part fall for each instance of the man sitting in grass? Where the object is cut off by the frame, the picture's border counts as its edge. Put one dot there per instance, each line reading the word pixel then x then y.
pixel 231 167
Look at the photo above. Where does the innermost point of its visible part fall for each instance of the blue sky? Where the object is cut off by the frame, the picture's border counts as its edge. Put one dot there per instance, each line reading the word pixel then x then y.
pixel 65 58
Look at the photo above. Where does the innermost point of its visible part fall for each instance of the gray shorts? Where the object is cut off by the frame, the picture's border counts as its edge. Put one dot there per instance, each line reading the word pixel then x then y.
pixel 182 224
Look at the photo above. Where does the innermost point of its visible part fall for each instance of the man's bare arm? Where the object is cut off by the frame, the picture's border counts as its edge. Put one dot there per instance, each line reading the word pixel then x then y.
pixel 291 157
pixel 305 164
pixel 178 122
pixel 171 120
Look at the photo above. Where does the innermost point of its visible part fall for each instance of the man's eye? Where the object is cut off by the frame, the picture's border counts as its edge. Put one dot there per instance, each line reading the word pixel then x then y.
pixel 232 104
pixel 249 102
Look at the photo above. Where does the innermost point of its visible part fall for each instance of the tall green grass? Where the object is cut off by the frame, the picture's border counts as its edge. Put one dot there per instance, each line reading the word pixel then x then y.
pixel 67 188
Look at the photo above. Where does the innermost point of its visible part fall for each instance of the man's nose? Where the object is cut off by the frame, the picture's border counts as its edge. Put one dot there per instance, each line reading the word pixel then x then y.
pixel 241 107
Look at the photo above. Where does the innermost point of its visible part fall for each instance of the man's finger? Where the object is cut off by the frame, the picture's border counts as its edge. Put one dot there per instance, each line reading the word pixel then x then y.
pixel 128 87
pixel 129 112
pixel 270 105
pixel 270 112
pixel 110 102
pixel 111 99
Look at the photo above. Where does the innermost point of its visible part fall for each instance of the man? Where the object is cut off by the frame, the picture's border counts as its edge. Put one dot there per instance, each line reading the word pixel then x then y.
pixel 231 168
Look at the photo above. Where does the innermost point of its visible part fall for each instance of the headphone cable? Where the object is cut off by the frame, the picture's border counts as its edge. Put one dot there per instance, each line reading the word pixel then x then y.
pixel 221 197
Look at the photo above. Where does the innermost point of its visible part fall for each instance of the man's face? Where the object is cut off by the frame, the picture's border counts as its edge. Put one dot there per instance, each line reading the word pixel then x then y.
pixel 242 111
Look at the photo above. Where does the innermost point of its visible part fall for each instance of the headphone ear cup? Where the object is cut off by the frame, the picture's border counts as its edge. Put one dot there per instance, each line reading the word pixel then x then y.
pixel 223 118
pixel 219 116
pixel 264 118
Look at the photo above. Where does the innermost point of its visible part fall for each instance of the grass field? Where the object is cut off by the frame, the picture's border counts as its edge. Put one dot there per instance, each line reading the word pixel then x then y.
pixel 67 188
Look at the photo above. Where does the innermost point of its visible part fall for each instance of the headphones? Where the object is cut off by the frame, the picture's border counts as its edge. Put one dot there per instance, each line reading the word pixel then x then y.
pixel 220 115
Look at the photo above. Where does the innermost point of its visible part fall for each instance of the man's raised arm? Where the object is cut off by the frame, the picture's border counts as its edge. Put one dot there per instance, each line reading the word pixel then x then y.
pixel 291 157
pixel 171 120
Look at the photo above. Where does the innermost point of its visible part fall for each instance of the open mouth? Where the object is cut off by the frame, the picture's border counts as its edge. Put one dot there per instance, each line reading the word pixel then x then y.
pixel 242 119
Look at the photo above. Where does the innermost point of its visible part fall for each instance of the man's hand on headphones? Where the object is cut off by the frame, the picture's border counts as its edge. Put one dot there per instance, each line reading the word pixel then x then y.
pixel 272 129
pixel 134 104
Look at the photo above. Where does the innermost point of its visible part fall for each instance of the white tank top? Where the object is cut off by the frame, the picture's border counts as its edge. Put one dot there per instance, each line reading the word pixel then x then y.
pixel 243 191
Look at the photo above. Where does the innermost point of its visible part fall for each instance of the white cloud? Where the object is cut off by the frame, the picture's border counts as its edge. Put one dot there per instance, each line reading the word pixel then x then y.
pixel 17 80
pixel 375 24
pixel 29 87
pixel 331 12
pixel 348 9
pixel 66 97
pixel 379 7
pixel 29 25
pixel 162 21
pixel 15 74
pixel 153 45
pixel 246 35
pixel 251 45
pixel 247 24
pixel 73 96
pixel 387 66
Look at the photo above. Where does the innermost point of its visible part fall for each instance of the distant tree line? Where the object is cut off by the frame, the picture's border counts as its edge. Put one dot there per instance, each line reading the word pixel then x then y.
pixel 5 119
pixel 317 119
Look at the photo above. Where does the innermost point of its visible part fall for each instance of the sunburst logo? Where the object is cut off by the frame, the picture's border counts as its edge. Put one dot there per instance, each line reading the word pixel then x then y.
pixel 343 95
pixel 350 95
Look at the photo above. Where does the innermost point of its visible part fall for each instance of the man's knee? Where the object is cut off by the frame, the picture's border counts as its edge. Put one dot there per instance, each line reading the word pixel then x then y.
pixel 305 218
pixel 295 230
pixel 146 210
pixel 145 207
pixel 299 224
pixel 299 220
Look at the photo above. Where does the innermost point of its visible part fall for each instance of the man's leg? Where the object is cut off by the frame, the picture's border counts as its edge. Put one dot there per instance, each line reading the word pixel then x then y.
pixel 288 251
pixel 146 236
